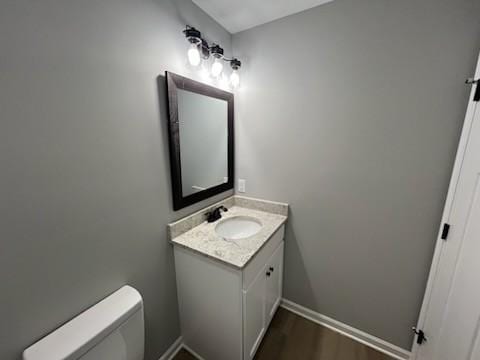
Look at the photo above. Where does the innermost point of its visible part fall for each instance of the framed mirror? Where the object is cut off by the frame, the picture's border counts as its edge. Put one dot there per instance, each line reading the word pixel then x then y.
pixel 201 140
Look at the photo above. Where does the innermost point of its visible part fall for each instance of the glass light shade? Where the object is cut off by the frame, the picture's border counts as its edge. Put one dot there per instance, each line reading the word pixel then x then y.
pixel 235 79
pixel 223 82
pixel 217 67
pixel 194 55
pixel 204 73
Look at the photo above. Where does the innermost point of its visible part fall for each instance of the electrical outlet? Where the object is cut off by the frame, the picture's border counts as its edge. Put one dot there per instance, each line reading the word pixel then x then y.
pixel 241 185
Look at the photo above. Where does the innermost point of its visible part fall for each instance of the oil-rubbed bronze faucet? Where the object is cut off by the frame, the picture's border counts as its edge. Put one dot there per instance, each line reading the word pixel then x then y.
pixel 215 214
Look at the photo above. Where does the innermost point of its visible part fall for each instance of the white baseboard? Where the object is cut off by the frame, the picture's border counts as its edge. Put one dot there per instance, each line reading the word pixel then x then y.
pixel 172 350
pixel 362 337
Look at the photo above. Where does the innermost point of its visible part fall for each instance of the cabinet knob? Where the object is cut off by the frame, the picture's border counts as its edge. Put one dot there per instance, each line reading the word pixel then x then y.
pixel 271 269
pixel 268 273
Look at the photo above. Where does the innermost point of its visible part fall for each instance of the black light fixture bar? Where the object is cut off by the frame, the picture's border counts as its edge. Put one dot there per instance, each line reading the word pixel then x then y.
pixel 235 64
pixel 216 51
pixel 195 37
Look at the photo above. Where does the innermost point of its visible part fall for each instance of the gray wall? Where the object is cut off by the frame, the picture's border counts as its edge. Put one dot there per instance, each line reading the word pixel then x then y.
pixel 356 108
pixel 85 178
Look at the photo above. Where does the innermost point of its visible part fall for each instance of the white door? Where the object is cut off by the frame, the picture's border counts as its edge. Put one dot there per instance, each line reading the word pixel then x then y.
pixel 254 315
pixel 450 314
pixel 274 283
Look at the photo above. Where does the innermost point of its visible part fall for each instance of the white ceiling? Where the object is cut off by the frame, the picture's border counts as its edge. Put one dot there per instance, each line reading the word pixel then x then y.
pixel 238 15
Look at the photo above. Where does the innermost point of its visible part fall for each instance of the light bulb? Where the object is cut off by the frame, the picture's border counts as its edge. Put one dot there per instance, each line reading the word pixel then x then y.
pixel 235 79
pixel 194 55
pixel 223 82
pixel 204 74
pixel 217 67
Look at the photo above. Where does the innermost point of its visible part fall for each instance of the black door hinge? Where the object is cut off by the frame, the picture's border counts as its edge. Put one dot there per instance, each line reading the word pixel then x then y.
pixel 472 81
pixel 421 338
pixel 445 231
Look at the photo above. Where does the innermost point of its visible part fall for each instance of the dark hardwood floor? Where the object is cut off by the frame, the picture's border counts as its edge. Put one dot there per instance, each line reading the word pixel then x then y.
pixel 291 337
pixel 184 355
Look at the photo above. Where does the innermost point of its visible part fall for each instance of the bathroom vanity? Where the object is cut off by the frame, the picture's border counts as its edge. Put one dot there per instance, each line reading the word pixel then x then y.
pixel 229 276
pixel 228 269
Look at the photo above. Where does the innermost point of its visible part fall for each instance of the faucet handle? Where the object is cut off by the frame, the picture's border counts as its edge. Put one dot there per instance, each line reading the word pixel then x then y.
pixel 210 214
pixel 215 214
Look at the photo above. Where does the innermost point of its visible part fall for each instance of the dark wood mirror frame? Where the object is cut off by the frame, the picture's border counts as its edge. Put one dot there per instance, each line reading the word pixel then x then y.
pixel 175 82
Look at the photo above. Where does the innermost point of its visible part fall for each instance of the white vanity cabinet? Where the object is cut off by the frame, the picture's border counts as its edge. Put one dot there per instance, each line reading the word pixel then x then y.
pixel 274 272
pixel 225 311
pixel 260 301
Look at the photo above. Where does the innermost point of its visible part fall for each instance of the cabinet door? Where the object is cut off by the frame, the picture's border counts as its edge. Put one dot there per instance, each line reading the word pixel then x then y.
pixel 274 273
pixel 254 315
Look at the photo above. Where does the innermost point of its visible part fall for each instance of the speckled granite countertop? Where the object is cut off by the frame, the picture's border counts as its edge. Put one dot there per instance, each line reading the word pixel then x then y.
pixel 203 239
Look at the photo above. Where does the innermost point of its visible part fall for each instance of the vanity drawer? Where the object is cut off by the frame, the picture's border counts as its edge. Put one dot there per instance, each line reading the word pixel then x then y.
pixel 261 258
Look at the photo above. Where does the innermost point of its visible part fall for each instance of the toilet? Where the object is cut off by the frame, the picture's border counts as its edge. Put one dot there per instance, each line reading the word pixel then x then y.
pixel 113 329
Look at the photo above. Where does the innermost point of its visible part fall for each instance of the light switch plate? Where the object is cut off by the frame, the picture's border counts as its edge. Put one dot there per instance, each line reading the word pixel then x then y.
pixel 241 185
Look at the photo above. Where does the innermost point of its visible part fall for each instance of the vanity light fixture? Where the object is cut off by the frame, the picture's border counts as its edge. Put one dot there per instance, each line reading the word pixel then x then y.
pixel 200 51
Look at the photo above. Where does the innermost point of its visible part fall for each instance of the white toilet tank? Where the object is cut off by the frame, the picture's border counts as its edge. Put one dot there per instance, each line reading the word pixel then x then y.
pixel 110 330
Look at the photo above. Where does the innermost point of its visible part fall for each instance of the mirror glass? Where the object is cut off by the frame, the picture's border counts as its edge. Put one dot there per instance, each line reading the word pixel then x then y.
pixel 201 140
pixel 203 131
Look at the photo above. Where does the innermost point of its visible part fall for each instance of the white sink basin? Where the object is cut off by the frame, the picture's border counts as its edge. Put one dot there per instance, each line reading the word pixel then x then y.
pixel 238 227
